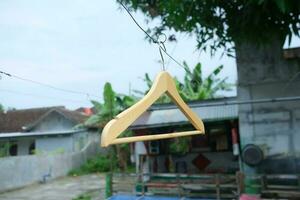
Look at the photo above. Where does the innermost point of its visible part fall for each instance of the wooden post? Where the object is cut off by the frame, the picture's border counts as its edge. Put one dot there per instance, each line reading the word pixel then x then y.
pixel 217 182
pixel 178 184
pixel 240 182
pixel 143 186
pixel 108 185
pixel 263 182
pixel 298 182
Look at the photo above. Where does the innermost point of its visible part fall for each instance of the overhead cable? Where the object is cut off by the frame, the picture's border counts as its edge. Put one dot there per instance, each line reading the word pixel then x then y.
pixel 48 85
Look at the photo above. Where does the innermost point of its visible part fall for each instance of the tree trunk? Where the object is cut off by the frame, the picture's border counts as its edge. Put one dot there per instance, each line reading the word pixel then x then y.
pixel 263 64
pixel 122 158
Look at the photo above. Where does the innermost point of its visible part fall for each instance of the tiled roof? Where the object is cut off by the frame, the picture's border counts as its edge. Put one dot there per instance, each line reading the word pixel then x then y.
pixel 17 120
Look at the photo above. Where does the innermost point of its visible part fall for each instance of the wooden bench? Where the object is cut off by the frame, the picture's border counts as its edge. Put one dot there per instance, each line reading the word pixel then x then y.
pixel 182 185
pixel 280 186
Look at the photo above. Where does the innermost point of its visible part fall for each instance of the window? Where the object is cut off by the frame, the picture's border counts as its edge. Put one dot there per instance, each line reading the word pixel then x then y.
pixel 154 147
pixel 216 139
pixel 200 143
pixel 13 149
pixel 32 148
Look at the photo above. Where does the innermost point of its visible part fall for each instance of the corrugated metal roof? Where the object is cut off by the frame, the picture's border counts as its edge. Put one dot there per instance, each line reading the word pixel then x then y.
pixel 34 134
pixel 208 110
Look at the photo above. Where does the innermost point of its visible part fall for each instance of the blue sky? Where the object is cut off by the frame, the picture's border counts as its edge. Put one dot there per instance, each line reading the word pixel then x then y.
pixel 80 45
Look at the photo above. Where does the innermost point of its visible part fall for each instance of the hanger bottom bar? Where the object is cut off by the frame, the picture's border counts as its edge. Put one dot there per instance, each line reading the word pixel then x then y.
pixel 155 137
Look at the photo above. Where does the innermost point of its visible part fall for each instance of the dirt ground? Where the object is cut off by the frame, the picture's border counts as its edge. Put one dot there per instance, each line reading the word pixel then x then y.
pixel 66 188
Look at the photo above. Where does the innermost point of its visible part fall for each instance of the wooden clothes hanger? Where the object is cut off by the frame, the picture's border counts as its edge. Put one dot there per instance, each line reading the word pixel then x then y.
pixel 163 83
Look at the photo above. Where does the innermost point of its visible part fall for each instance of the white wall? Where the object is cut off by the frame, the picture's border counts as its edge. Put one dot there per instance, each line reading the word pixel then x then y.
pixel 23 146
pixel 52 144
pixel 56 143
pixel 80 140
pixel 264 73
pixel 18 171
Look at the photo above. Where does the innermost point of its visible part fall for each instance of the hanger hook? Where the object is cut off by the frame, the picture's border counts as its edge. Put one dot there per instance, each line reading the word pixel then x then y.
pixel 164 40
pixel 162 47
pixel 162 58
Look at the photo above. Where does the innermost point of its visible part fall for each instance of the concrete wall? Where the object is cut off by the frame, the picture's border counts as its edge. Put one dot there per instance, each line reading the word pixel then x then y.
pixel 80 139
pixel 65 143
pixel 53 143
pixel 57 143
pixel 274 127
pixel 23 146
pixel 19 171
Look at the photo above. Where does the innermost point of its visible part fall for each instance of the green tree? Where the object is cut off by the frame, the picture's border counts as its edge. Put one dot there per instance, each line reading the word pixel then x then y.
pixel 113 104
pixel 195 86
pixel 219 24
pixel 4 149
pixel 253 31
pixel 1 108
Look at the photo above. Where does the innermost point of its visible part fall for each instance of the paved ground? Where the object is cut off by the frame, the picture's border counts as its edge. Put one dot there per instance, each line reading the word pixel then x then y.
pixel 65 188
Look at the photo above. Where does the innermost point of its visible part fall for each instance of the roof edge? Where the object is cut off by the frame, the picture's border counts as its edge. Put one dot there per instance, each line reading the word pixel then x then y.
pixel 192 104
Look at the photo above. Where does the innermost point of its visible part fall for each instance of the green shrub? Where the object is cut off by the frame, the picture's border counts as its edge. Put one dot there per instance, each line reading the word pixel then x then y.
pixel 98 164
pixel 4 149
pixel 83 197
pixel 179 146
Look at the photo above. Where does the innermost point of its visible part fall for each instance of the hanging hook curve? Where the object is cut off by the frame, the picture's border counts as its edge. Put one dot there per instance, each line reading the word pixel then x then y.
pixel 162 47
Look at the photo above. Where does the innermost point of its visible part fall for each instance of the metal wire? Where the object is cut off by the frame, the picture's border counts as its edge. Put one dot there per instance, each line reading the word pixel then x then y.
pixel 41 96
pixel 134 20
pixel 162 56
pixel 47 85
pixel 155 41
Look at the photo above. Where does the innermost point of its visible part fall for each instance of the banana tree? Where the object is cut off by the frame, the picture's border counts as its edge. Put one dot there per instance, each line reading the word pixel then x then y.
pixel 194 86
pixel 113 104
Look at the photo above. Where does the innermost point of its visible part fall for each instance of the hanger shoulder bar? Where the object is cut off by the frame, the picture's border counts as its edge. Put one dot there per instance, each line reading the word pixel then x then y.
pixel 163 83
pixel 187 111
pixel 154 137
pixel 123 120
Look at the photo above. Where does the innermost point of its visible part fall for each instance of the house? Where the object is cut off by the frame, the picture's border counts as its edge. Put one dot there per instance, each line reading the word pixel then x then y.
pixel 215 152
pixel 222 163
pixel 264 124
pixel 42 130
pixel 225 147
